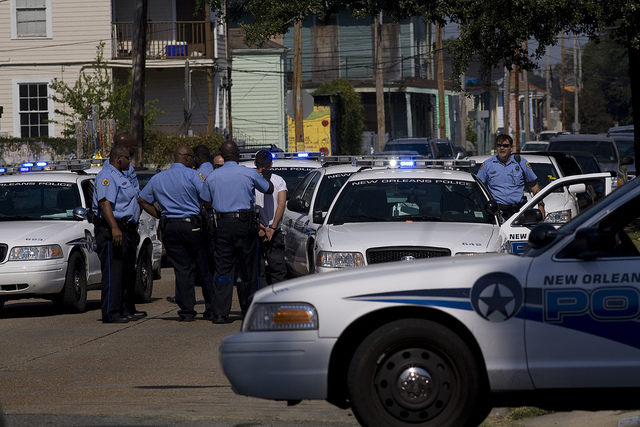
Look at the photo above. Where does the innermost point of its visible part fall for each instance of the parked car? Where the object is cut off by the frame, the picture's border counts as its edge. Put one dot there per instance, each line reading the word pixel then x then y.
pixel 625 143
pixel 601 146
pixel 407 211
pixel 306 210
pixel 546 135
pixel 431 148
pixel 534 146
pixel 439 341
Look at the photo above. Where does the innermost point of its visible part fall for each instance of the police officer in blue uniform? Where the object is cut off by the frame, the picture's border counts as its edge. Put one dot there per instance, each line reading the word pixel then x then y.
pixel 116 215
pixel 202 163
pixel 232 195
pixel 126 139
pixel 506 176
pixel 179 190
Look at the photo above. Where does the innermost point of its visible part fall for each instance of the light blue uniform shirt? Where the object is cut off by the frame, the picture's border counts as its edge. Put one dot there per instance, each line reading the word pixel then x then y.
pixel 115 186
pixel 231 187
pixel 205 170
pixel 130 174
pixel 177 190
pixel 506 181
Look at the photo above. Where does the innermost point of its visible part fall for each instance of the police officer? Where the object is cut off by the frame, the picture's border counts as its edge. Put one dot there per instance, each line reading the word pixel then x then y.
pixel 179 190
pixel 205 265
pixel 271 208
pixel 232 195
pixel 126 139
pixel 506 176
pixel 116 214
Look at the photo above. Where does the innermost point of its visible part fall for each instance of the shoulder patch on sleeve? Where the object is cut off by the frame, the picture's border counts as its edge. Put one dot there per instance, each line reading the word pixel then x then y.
pixel 528 165
pixel 105 182
pixel 202 176
pixel 482 165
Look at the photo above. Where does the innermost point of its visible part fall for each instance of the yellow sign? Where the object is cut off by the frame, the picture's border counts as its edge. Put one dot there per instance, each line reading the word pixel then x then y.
pixel 317 132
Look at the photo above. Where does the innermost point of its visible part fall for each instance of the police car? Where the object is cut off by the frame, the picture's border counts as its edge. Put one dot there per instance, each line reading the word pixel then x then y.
pixel 47 246
pixel 292 167
pixel 408 210
pixel 307 207
pixel 438 341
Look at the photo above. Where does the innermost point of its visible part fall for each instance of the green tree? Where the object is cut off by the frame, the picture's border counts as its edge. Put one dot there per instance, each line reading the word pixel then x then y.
pixel 96 87
pixel 351 115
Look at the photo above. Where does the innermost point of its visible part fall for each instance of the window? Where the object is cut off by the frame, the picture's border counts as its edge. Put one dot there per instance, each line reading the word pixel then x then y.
pixel 34 111
pixel 31 18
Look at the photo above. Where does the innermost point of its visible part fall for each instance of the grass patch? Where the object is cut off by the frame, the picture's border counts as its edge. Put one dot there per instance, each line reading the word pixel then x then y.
pixel 508 417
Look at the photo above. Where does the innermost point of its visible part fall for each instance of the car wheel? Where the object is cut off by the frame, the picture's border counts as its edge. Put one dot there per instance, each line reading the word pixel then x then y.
pixel 415 372
pixel 74 294
pixel 311 265
pixel 144 276
pixel 1 305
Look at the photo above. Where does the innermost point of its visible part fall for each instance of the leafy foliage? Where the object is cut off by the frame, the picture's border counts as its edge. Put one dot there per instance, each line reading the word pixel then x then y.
pixel 161 146
pixel 351 115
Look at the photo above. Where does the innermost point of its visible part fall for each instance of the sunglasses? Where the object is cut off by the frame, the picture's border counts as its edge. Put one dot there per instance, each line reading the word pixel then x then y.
pixel 503 145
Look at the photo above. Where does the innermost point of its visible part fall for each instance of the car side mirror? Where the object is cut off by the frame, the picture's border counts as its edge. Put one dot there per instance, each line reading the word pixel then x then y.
pixel 491 207
pixel 529 217
pixel 577 188
pixel 627 160
pixel 80 213
pixel 318 217
pixel 297 205
pixel 542 235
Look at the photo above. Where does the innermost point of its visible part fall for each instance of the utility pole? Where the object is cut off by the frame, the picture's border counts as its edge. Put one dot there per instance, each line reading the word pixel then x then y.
pixel 136 112
pixel 564 104
pixel 507 101
pixel 187 97
pixel 463 113
pixel 516 89
pixel 576 117
pixel 442 126
pixel 548 88
pixel 377 38
pixel 526 122
pixel 297 86
pixel 229 61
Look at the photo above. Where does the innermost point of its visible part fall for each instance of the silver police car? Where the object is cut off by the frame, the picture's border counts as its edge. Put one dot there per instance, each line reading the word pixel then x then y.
pixel 438 341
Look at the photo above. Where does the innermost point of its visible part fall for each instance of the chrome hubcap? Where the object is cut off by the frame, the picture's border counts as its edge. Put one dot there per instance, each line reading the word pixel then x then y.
pixel 414 385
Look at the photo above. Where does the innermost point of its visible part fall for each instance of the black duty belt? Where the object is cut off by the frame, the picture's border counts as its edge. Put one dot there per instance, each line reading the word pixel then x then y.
pixel 237 215
pixel 186 219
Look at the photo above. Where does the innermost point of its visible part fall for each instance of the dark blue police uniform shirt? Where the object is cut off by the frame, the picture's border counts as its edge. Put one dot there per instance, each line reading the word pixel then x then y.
pixel 177 190
pixel 231 187
pixel 505 181
pixel 115 186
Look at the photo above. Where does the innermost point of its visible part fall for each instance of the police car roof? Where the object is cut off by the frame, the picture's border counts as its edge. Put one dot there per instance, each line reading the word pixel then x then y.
pixel 341 168
pixel 42 176
pixel 288 163
pixel 379 173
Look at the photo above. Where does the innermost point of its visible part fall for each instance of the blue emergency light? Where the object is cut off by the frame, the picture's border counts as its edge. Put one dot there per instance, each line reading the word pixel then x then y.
pixel 41 164
pixel 27 164
pixel 3 170
pixel 407 163
pixel 303 154
pixel 24 169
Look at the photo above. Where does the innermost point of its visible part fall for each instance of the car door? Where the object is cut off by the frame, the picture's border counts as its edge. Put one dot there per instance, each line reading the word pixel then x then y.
pixel 93 261
pixel 583 304
pixel 295 225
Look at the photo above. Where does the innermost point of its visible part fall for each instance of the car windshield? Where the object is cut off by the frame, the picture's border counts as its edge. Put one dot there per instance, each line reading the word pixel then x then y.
pixel 413 200
pixel 534 146
pixel 421 148
pixel 625 147
pixel 329 187
pixel 603 150
pixel 21 201
pixel 291 175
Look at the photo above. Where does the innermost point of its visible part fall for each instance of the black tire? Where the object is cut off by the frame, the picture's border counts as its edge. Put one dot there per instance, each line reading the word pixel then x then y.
pixel 74 294
pixel 311 263
pixel 1 305
pixel 144 276
pixel 415 372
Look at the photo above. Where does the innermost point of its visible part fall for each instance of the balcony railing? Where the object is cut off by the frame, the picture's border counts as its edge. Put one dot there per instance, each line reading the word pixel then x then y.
pixel 165 39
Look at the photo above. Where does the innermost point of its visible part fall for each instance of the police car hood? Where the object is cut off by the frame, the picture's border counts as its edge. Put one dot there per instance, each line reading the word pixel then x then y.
pixel 33 232
pixel 457 237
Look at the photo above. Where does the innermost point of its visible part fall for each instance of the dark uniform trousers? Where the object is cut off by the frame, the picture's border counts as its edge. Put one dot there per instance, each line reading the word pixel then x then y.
pixel 184 243
pixel 236 246
pixel 273 254
pixel 118 266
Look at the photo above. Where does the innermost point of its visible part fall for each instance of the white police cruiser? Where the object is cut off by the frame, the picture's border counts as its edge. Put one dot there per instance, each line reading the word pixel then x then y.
pixel 438 341
pixel 47 245
pixel 307 207
pixel 292 167
pixel 407 210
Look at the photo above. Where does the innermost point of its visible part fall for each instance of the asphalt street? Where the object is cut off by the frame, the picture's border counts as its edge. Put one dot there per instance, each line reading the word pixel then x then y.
pixel 60 369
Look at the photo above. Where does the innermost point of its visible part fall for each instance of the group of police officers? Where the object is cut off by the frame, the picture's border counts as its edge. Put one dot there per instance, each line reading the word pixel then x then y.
pixel 210 225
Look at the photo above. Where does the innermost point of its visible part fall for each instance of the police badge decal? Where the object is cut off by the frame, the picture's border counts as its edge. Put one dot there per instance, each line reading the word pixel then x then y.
pixel 496 297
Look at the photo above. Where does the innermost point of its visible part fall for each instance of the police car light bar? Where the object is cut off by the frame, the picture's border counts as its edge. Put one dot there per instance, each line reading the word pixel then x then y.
pixel 338 160
pixel 300 155
pixel 413 162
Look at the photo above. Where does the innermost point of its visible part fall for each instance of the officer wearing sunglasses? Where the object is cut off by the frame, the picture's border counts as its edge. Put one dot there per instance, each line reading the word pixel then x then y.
pixel 506 175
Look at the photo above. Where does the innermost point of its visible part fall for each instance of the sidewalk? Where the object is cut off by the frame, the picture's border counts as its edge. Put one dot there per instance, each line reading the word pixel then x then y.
pixel 568 419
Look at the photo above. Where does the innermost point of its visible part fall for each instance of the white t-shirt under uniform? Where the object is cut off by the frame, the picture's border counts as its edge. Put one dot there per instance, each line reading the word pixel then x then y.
pixel 269 202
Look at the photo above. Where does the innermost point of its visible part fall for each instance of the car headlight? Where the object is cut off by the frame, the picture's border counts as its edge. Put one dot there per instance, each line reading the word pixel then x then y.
pixel 26 253
pixel 556 217
pixel 339 259
pixel 282 316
